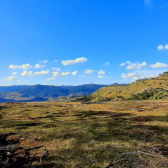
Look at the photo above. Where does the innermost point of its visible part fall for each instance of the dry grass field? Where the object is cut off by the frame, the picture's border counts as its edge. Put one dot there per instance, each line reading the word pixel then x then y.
pixel 134 88
pixel 91 135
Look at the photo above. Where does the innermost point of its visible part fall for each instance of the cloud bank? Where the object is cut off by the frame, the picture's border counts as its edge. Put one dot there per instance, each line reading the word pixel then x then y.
pixel 136 65
pixel 88 71
pixel 23 66
pixel 30 73
pixel 39 66
pixel 11 78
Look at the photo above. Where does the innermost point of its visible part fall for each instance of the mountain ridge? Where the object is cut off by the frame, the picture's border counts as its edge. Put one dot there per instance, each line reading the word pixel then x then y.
pixel 28 92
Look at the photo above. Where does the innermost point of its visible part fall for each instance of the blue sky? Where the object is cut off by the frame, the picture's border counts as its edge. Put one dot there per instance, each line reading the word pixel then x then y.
pixel 72 42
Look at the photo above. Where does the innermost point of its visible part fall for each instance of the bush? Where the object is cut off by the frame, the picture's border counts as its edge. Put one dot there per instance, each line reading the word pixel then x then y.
pixel 84 98
pixel 152 94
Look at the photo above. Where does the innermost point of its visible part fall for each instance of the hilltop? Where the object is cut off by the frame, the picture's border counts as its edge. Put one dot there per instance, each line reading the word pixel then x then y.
pixel 142 89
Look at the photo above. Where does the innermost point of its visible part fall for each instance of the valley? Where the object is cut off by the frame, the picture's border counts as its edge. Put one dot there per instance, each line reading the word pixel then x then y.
pixel 31 93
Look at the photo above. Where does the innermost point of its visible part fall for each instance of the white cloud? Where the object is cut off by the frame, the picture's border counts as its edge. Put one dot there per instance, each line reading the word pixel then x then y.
pixel 159 65
pixel 160 47
pixel 107 63
pixel 41 73
pixel 124 75
pixel 55 60
pixel 24 66
pixel 88 71
pixel 122 64
pixel 136 65
pixel 11 78
pixel 30 73
pixel 130 75
pixel 24 73
pixel 78 60
pixel 43 61
pixel 14 66
pixel 166 47
pixel 74 73
pixel 142 77
pixel 39 66
pixel 101 72
pixel 101 76
pixel 18 80
pixel 14 73
pixel 151 76
pixel 50 79
pixel 141 74
pixel 135 78
pixel 55 68
pixel 55 73
pixel 65 73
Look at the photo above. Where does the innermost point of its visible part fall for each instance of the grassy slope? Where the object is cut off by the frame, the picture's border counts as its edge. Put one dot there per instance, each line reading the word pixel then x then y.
pixel 134 88
pixel 82 135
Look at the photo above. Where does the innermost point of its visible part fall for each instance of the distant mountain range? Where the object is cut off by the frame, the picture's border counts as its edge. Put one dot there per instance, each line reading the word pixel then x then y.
pixel 12 88
pixel 42 92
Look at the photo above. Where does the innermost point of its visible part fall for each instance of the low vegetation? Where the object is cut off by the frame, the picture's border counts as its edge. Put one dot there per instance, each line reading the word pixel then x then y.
pixel 111 134
pixel 151 94
pixel 144 89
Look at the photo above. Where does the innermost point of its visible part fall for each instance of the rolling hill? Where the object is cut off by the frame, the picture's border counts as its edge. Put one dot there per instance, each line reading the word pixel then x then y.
pixel 144 89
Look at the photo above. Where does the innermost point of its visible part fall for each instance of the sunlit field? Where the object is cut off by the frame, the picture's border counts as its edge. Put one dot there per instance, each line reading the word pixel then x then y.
pixel 88 135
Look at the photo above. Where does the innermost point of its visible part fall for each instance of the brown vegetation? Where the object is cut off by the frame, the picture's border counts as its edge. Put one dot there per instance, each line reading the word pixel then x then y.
pixel 12 155
pixel 145 89
pixel 92 135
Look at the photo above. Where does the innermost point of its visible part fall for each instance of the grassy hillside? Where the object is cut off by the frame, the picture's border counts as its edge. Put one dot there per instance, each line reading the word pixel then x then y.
pixel 156 88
